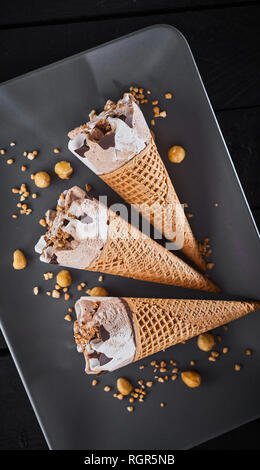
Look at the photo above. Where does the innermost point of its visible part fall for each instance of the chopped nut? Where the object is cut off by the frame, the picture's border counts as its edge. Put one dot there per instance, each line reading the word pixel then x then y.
pixel 67 317
pixel 141 367
pixel 35 153
pixel 206 341
pixel 57 287
pixel 34 195
pixel 31 156
pixel 64 278
pixel 25 154
pixel 225 350
pixel 163 114
pixel 98 292
pixel 19 260
pixel 174 376
pixel 63 169
pixel 248 352
pixel 12 144
pixel 168 96
pixel 66 296
pixel 175 370
pixel 36 290
pixel 23 168
pixel 216 204
pixel 192 363
pixel 176 154
pixel 10 161
pixel 212 359
pixel 161 380
pixel 42 179
pixel 124 386
pixel 101 278
pixel 237 367
pixel 43 223
pixel 48 293
pixel 70 309
pixel 2 151
pixel 210 265
pixel 56 150
pixel 107 388
pixel 94 382
pixel 55 294
pixel 149 384
pixel 130 409
pixel 154 102
pixel 162 405
pixel 152 122
pixel 163 369
pixel 79 287
pixel 191 378
pixel 214 353
pixel 131 400
pixel 48 276
pixel 88 187
pixel 32 176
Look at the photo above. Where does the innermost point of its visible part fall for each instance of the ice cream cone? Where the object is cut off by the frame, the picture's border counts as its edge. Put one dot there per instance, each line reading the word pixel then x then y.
pixel 161 323
pixel 112 332
pixel 144 182
pixel 83 233
pixel 130 253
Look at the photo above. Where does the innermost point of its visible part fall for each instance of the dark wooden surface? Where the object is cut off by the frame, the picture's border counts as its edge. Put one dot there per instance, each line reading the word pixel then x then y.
pixel 223 36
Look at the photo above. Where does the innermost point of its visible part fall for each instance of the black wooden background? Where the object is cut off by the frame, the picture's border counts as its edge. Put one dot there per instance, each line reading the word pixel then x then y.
pixel 224 38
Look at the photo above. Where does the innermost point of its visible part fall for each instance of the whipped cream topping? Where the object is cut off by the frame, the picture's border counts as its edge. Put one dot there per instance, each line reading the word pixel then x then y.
pixel 112 138
pixel 104 334
pixel 77 230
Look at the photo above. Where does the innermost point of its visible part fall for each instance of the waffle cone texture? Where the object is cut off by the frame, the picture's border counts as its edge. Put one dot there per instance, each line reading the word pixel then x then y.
pixel 130 253
pixel 144 180
pixel 161 323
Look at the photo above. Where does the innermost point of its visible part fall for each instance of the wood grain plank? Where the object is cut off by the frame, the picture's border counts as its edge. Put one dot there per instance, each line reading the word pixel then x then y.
pixel 19 428
pixel 224 47
pixel 17 12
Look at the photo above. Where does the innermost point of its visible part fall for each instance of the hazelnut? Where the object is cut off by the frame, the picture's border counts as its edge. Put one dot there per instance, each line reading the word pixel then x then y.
pixel 176 154
pixel 64 278
pixel 124 386
pixel 42 179
pixel 19 260
pixel 63 169
pixel 98 292
pixel 191 378
pixel 206 341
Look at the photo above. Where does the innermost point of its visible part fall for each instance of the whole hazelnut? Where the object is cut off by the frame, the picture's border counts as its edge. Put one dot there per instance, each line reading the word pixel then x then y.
pixel 124 386
pixel 176 154
pixel 206 341
pixel 98 292
pixel 63 169
pixel 42 179
pixel 19 260
pixel 64 278
pixel 191 378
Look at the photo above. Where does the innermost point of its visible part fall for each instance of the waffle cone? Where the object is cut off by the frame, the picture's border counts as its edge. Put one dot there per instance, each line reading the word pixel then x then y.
pixel 161 323
pixel 144 181
pixel 130 253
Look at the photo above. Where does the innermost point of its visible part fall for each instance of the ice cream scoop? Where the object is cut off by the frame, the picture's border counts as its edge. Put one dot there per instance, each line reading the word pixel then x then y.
pixel 112 332
pixel 111 138
pixel 104 333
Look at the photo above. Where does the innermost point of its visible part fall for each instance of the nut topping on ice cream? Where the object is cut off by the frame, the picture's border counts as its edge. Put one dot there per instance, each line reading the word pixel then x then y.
pixel 111 138
pixel 77 230
pixel 103 333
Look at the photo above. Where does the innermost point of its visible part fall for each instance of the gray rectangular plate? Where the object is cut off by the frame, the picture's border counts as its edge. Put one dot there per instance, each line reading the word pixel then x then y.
pixel 36 111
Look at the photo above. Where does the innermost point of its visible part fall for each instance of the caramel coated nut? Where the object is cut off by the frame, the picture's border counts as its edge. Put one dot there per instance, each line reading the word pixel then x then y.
pixel 19 260
pixel 64 278
pixel 42 179
pixel 63 169
pixel 124 386
pixel 191 378
pixel 206 341
pixel 176 154
pixel 98 292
